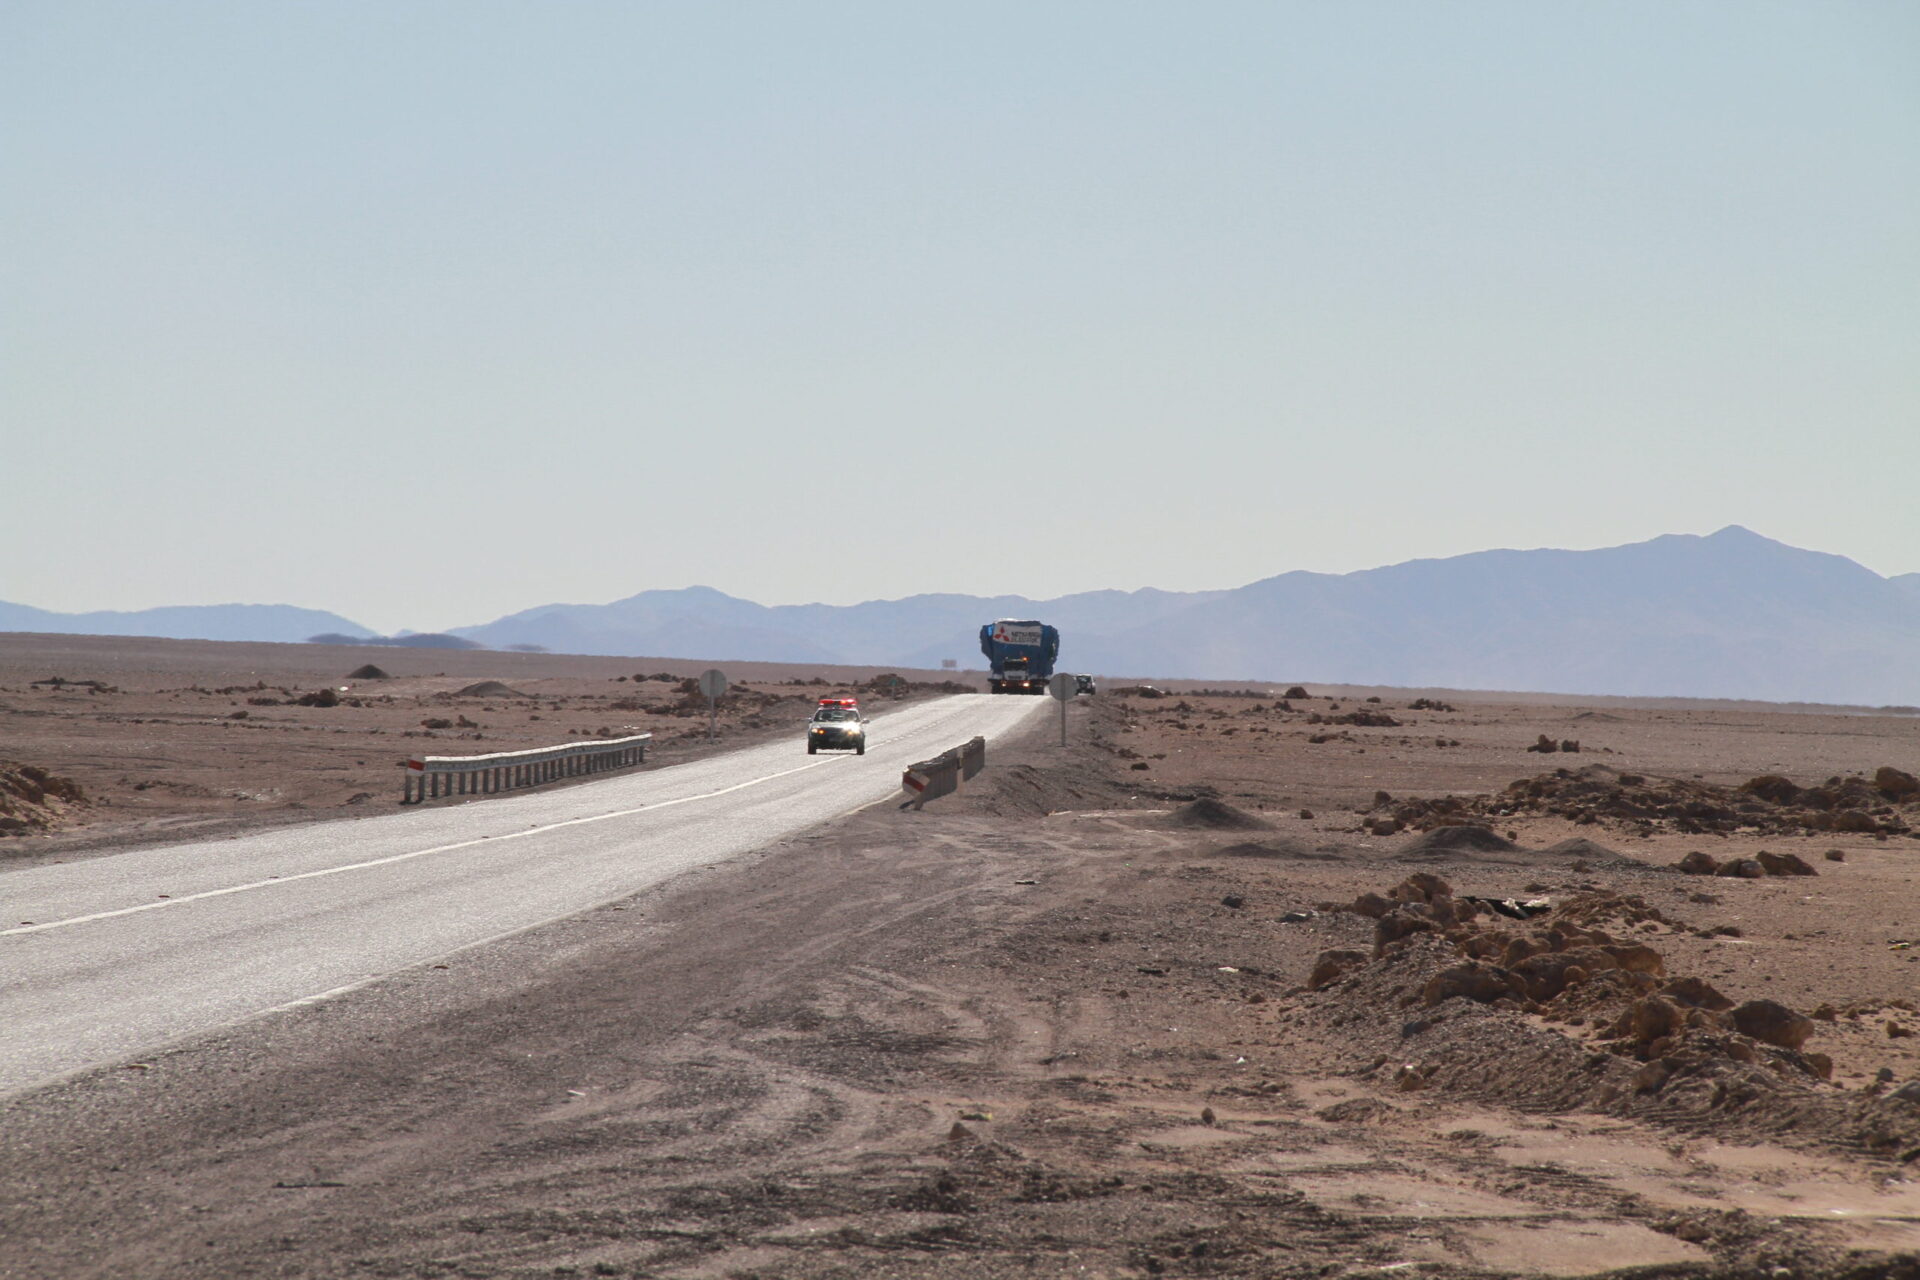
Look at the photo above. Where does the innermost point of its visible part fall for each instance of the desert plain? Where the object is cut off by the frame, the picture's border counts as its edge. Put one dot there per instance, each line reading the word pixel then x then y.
pixel 1242 981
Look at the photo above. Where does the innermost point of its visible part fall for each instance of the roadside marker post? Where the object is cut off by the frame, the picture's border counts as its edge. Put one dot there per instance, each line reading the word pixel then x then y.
pixel 713 683
pixel 1063 687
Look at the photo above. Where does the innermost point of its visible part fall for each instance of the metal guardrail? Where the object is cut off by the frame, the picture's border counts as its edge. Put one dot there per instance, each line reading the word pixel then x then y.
pixel 475 775
pixel 941 776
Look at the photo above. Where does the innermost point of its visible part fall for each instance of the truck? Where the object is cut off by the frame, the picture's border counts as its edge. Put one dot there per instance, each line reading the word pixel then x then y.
pixel 1020 654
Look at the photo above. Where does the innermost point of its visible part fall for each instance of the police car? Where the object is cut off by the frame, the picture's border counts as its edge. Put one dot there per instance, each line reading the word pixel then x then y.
pixel 837 728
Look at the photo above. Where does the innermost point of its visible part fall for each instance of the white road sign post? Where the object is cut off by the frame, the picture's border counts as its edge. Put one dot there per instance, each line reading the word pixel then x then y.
pixel 713 683
pixel 1063 687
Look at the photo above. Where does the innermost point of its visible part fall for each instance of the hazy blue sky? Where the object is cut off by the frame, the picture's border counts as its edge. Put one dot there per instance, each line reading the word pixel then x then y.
pixel 424 312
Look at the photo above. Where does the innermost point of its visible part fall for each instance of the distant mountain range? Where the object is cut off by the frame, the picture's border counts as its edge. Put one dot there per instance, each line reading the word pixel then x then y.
pixel 1730 615
pixel 270 622
pixel 919 631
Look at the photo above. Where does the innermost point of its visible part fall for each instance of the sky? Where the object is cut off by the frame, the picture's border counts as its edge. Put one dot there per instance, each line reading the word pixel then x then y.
pixel 428 312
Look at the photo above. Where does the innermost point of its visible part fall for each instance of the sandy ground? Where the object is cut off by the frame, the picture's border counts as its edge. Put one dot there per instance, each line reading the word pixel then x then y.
pixel 1061 1025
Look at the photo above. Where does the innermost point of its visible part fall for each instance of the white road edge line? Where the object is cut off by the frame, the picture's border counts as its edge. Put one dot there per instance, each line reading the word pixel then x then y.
pixel 403 857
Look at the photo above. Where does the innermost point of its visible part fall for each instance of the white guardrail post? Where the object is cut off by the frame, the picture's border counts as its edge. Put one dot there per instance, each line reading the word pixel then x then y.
pixel 434 776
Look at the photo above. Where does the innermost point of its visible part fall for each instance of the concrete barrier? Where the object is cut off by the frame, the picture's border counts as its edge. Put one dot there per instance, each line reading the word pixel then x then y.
pixel 434 776
pixel 973 757
pixel 940 776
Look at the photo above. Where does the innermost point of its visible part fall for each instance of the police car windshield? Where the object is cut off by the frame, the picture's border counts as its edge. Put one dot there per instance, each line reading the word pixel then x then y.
pixel 836 713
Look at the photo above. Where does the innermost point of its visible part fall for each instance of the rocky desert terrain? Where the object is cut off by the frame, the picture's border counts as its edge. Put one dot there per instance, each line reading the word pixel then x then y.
pixel 1259 981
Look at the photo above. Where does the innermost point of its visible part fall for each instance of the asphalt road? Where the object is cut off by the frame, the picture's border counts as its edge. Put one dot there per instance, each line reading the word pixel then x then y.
pixel 106 958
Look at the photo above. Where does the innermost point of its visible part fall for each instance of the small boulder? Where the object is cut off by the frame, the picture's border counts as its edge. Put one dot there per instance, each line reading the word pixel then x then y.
pixel 1421 886
pixel 1742 869
pixel 1784 864
pixel 1772 788
pixel 1637 957
pixel 1547 975
pixel 1402 922
pixel 1896 785
pixel 1651 1018
pixel 1699 863
pixel 1371 905
pixel 1521 948
pixel 1696 993
pixel 1651 1078
pixel 1331 966
pixel 1771 1022
pixel 1482 983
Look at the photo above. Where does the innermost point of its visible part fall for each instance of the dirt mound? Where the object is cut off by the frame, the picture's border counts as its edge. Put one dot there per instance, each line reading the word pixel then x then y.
pixel 368 672
pixel 1282 848
pixel 1595 909
pixel 1883 804
pixel 490 689
pixel 1210 814
pixel 1584 850
pixel 1028 790
pixel 1632 1038
pixel 31 799
pixel 1458 839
